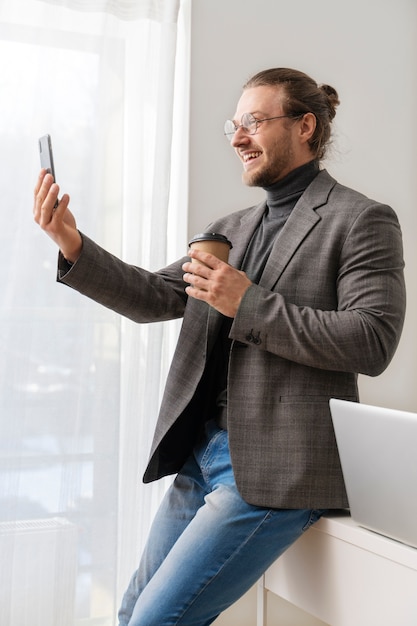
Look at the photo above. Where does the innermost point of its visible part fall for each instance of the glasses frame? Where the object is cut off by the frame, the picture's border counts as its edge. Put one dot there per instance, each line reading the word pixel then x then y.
pixel 245 129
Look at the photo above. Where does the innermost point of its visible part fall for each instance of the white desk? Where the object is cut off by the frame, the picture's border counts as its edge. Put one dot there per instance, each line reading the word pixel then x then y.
pixel 345 576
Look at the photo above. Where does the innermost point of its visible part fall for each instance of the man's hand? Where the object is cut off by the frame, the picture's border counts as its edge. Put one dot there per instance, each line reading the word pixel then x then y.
pixel 217 283
pixel 55 218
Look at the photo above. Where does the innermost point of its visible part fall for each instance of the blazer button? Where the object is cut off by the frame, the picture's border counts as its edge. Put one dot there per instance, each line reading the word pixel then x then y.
pixel 254 339
pixel 257 340
pixel 250 337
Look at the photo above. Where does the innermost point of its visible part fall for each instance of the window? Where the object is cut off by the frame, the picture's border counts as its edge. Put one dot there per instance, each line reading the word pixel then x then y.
pixel 80 387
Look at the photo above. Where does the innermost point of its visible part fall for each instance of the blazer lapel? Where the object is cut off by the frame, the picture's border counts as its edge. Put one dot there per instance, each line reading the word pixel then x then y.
pixel 241 238
pixel 248 224
pixel 303 218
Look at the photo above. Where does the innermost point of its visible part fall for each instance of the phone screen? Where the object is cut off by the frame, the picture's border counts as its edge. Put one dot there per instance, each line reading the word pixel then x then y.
pixel 45 151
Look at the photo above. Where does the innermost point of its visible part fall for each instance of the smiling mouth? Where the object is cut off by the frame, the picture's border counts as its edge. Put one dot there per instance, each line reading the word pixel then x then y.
pixel 250 156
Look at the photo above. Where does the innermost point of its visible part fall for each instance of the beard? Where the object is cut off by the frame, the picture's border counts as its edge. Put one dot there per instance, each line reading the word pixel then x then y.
pixel 279 164
pixel 264 177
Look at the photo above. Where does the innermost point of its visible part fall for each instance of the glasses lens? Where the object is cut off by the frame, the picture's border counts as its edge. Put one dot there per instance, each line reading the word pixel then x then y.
pixel 229 129
pixel 248 123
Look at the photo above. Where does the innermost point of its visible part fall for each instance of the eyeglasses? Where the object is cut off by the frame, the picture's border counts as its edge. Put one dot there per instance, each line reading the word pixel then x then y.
pixel 249 124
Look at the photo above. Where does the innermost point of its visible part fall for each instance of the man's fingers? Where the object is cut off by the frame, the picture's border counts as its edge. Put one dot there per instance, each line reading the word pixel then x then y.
pixel 205 258
pixel 41 176
pixel 46 198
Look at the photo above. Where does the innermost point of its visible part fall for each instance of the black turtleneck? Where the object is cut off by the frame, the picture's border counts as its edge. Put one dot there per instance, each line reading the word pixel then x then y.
pixel 281 198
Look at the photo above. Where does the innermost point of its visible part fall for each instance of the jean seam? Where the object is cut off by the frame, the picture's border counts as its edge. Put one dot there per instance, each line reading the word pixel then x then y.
pixel 314 517
pixel 205 466
pixel 268 515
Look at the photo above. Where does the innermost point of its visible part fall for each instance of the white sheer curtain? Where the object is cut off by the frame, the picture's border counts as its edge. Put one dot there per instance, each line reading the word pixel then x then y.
pixel 80 387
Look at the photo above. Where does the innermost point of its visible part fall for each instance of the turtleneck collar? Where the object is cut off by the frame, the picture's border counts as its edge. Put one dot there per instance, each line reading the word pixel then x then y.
pixel 294 184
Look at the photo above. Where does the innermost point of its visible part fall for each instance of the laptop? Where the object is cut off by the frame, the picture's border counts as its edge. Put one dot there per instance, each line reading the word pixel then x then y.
pixel 378 453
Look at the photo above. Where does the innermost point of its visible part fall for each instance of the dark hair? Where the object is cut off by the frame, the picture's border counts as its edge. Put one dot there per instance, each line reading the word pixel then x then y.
pixel 303 95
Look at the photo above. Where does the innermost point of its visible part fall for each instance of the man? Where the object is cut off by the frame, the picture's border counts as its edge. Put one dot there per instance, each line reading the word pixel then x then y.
pixel 313 295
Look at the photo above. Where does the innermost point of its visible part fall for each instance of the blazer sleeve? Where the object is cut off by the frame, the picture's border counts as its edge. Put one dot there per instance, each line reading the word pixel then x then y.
pixel 135 293
pixel 340 303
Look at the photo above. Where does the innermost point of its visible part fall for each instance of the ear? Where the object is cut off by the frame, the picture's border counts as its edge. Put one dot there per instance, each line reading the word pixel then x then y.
pixel 307 127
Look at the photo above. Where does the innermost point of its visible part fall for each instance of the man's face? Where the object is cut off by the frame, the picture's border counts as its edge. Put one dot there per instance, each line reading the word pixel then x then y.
pixel 273 151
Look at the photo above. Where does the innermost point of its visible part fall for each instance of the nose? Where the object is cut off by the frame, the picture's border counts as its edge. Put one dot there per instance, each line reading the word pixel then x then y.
pixel 240 137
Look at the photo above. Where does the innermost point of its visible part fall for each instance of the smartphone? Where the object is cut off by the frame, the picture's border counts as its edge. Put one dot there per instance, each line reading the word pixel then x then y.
pixel 46 154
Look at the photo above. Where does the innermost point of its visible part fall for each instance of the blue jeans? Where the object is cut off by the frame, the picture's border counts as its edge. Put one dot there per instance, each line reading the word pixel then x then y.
pixel 207 546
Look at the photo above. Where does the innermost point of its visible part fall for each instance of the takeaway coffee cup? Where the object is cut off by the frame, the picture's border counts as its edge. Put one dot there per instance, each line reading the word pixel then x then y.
pixel 215 243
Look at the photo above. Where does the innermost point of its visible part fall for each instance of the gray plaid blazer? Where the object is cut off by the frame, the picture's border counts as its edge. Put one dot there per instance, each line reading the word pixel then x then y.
pixel 330 304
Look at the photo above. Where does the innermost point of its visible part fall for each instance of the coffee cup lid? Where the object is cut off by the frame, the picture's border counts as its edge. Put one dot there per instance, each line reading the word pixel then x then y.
pixel 210 237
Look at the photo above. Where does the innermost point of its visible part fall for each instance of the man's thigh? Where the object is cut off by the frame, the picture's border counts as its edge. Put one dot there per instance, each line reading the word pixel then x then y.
pixel 220 554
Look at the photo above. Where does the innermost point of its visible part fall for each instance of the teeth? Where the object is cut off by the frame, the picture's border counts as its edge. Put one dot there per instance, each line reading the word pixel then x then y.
pixel 251 155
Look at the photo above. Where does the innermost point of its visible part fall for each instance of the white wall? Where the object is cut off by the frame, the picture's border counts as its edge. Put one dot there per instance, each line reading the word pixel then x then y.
pixel 367 51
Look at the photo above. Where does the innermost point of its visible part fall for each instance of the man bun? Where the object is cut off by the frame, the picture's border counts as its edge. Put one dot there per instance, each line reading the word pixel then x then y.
pixel 332 97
